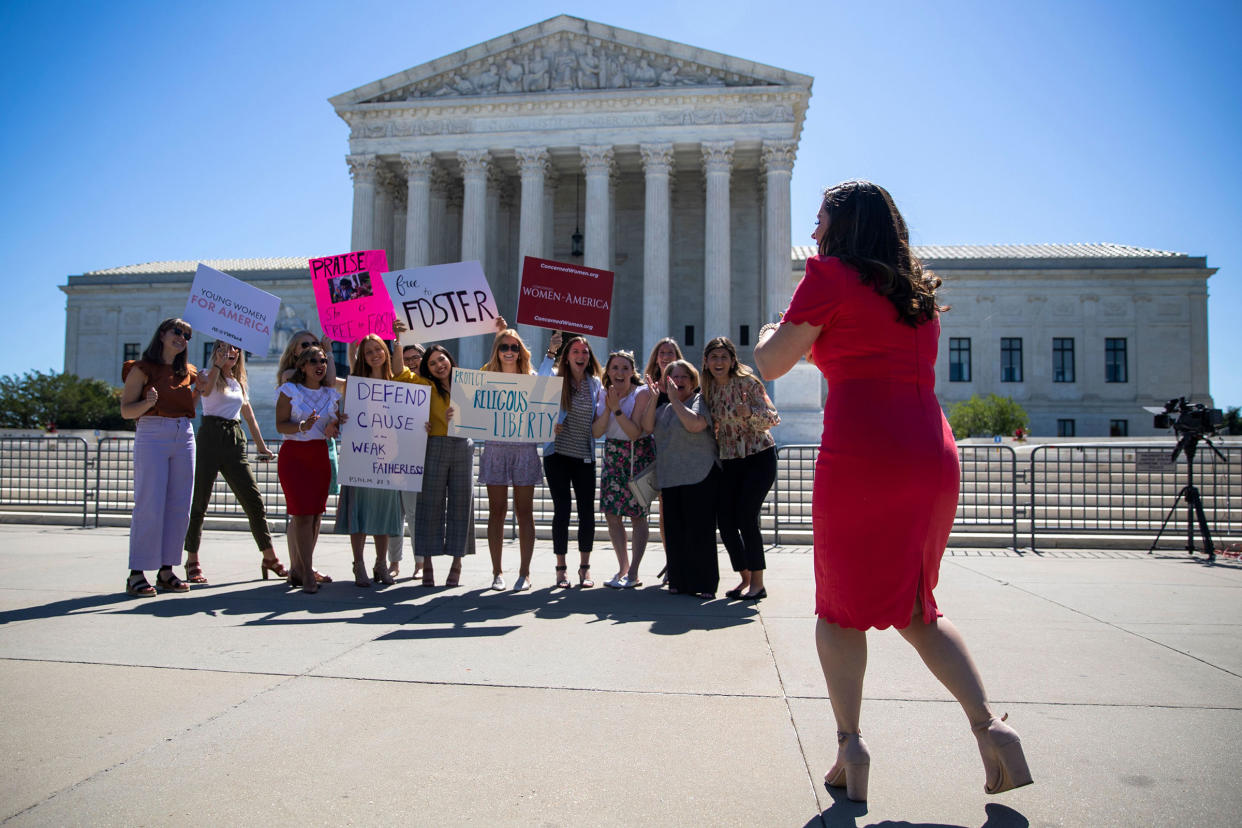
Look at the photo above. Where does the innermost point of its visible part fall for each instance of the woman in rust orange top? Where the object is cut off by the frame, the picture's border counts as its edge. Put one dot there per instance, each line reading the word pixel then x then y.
pixel 159 393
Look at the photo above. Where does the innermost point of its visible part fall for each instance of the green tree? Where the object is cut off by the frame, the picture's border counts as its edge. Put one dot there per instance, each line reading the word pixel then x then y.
pixel 36 399
pixel 984 417
pixel 1233 421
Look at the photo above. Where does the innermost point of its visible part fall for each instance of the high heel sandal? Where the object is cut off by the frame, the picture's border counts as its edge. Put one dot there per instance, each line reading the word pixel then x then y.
pixel 382 575
pixel 274 566
pixel 1004 764
pixel 194 573
pixel 585 581
pixel 360 575
pixel 562 582
pixel 454 576
pixel 852 767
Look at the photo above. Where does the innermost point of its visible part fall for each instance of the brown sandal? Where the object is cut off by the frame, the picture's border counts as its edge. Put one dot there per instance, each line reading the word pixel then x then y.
pixel 136 585
pixel 172 583
pixel 194 573
pixel 274 566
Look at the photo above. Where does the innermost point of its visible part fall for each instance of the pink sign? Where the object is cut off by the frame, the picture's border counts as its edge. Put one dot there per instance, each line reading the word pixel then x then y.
pixel 565 297
pixel 351 296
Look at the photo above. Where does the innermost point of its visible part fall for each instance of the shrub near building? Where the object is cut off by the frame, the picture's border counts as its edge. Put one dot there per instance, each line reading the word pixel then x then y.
pixel 38 400
pixel 987 416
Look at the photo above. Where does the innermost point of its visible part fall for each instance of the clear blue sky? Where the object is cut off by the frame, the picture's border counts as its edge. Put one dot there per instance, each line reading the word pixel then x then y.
pixel 140 131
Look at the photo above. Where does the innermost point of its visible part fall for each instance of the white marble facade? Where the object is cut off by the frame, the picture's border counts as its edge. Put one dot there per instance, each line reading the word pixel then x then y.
pixel 674 163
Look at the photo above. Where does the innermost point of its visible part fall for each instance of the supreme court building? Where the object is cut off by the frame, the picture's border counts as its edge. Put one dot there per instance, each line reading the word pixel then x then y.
pixel 670 165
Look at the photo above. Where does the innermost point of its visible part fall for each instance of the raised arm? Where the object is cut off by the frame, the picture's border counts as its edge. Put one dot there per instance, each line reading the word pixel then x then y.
pixel 780 347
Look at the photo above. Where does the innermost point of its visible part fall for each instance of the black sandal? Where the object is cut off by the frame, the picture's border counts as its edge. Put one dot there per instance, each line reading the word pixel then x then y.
pixel 562 582
pixel 172 583
pixel 136 585
pixel 585 583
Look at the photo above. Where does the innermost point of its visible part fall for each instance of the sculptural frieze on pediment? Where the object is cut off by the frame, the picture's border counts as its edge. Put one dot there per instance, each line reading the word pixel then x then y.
pixel 566 62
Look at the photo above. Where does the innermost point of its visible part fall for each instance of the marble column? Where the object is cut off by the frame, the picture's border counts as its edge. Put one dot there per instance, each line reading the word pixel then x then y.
pixel 384 183
pixel 400 207
pixel 777 162
pixel 533 169
pixel 474 164
pixel 657 168
pixel 550 183
pixel 417 167
pixel 597 166
pixel 437 218
pixel 717 167
pixel 363 169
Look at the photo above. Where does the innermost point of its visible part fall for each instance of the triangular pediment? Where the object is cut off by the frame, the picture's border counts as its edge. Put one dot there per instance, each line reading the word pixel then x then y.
pixel 569 54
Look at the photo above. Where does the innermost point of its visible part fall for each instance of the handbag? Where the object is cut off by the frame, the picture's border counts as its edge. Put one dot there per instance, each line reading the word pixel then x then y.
pixel 643 488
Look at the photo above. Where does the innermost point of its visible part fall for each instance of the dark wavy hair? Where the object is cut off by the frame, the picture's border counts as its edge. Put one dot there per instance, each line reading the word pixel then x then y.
pixel 867 232
pixel 154 353
pixel 424 369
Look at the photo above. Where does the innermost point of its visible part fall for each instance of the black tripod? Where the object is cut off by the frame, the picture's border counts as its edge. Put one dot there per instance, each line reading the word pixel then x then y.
pixel 1189 443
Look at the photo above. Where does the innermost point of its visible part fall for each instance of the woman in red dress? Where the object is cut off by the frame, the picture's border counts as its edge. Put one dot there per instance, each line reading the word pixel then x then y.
pixel 886 479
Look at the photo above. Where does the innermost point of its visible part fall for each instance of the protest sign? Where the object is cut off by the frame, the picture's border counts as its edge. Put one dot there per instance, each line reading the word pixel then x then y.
pixel 351 296
pixel 565 297
pixel 510 408
pixel 442 302
pixel 228 309
pixel 384 437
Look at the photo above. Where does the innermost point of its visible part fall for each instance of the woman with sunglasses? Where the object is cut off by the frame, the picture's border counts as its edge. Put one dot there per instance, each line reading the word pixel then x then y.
pixel 510 464
pixel 444 524
pixel 159 393
pixel 362 510
pixel 222 450
pixel 628 451
pixel 306 413
pixel 569 460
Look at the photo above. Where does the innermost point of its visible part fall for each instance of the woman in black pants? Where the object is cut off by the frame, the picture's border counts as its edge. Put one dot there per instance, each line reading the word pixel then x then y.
pixel 222 450
pixel 743 416
pixel 569 460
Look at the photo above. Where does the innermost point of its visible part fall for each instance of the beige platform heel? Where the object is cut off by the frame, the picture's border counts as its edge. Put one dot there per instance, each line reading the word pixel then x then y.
pixel 852 767
pixel 1004 764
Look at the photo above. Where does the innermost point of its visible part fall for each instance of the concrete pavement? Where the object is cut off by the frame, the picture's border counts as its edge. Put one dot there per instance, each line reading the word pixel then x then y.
pixel 245 703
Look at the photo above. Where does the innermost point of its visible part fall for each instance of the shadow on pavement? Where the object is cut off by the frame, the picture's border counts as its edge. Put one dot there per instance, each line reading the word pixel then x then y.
pixel 845 814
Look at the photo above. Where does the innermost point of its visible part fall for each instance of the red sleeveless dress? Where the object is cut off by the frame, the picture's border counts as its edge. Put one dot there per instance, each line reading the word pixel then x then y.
pixel 886 480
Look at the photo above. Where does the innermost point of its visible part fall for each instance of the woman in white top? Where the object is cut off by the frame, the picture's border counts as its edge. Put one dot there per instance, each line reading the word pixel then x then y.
pixel 306 413
pixel 628 450
pixel 221 449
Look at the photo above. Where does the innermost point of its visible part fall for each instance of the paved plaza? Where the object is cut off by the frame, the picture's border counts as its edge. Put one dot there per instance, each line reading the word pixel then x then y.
pixel 243 703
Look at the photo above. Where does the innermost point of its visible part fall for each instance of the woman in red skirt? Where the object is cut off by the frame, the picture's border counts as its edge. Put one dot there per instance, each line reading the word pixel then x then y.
pixel 886 479
pixel 306 413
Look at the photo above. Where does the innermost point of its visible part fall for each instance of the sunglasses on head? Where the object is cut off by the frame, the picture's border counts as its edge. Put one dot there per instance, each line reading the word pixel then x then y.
pixel 180 331
pixel 505 347
pixel 317 361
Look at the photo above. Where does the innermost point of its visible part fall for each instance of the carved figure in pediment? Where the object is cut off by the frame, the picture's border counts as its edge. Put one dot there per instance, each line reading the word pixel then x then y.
pixel 710 79
pixel 588 69
pixel 487 81
pixel 642 75
pixel 615 70
pixel 564 69
pixel 669 76
pixel 286 326
pixel 511 78
pixel 536 78
pixel 462 85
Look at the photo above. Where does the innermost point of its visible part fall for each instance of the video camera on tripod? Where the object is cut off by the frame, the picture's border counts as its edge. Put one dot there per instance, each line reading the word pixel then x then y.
pixel 1192 423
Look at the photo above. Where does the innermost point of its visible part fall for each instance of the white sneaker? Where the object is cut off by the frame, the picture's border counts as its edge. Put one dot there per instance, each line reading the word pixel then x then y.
pixel 521 584
pixel 617 582
pixel 498 583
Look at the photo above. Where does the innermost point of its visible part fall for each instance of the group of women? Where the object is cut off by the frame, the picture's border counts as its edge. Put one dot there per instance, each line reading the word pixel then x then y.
pixel 866 313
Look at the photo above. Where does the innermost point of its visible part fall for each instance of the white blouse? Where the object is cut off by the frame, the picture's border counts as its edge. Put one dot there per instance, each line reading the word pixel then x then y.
pixel 305 401
pixel 226 403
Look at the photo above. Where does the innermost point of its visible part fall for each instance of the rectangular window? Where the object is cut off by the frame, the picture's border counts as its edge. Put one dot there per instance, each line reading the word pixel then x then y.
pixel 1011 359
pixel 341 357
pixel 959 359
pixel 1062 359
pixel 1065 428
pixel 1118 428
pixel 131 350
pixel 743 336
pixel 1115 360
pixel 689 340
pixel 208 348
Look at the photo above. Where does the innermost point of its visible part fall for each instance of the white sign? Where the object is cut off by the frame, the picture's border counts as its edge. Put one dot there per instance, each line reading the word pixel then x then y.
pixel 442 302
pixel 510 408
pixel 384 437
pixel 228 309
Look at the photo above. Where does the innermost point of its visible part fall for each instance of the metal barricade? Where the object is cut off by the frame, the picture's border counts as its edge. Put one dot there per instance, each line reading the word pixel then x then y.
pixel 114 477
pixel 44 474
pixel 1128 489
pixel 789 501
pixel 987 496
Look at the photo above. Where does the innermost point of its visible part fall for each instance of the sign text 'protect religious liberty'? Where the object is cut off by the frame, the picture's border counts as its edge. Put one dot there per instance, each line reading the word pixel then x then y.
pixel 384 437
pixel 565 297
pixel 351 296
pixel 228 309
pixel 511 408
